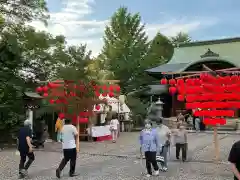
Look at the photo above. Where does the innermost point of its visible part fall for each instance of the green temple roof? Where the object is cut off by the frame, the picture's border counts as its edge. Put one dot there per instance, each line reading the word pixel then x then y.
pixel 188 54
pixel 228 49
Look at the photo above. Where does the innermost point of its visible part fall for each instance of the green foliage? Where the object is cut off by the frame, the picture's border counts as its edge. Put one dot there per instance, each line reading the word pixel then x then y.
pixel 125 45
pixel 160 51
pixel 24 10
pixel 180 38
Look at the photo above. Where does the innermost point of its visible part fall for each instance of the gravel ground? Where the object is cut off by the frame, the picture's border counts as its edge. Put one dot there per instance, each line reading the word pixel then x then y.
pixel 102 167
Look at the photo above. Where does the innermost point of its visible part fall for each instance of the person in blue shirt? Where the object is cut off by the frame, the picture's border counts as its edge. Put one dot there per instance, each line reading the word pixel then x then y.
pixel 149 142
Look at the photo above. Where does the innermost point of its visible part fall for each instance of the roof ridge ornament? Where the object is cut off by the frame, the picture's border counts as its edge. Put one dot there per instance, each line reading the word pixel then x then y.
pixel 209 53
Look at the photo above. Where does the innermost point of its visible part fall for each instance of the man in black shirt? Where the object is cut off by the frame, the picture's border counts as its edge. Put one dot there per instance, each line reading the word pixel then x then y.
pixel 25 148
pixel 234 159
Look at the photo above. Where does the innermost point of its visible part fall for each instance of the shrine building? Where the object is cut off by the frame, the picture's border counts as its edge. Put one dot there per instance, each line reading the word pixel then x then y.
pixel 215 54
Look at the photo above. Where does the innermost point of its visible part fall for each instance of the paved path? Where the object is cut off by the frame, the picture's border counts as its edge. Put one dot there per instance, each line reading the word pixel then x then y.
pixel 107 161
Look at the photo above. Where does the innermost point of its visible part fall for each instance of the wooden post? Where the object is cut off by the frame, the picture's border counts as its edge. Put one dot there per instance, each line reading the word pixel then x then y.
pixel 216 144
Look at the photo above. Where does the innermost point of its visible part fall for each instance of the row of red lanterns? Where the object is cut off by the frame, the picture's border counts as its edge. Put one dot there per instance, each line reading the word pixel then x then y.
pixel 213 104
pixel 206 88
pixel 203 89
pixel 214 113
pixel 82 88
pixel 209 97
pixel 73 94
pixel 204 78
pixel 214 121
pixel 82 117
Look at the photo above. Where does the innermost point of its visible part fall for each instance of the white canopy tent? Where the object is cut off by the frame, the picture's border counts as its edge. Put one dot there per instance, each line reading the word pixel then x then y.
pixel 114 103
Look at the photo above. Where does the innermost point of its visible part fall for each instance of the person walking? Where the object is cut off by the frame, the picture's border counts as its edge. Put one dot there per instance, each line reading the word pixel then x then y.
pixel 25 148
pixel 180 138
pixel 164 134
pixel 149 145
pixel 69 138
pixel 197 124
pixel 234 159
pixel 114 128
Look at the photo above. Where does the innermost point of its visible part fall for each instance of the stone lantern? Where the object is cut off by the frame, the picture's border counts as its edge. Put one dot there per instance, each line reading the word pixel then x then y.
pixel 155 110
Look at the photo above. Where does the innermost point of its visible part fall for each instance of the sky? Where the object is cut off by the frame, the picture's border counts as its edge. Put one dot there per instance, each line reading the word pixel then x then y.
pixel 83 21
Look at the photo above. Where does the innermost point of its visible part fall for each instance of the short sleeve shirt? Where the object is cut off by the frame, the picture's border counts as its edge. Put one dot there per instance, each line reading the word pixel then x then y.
pixel 114 124
pixel 24 132
pixel 69 133
pixel 234 156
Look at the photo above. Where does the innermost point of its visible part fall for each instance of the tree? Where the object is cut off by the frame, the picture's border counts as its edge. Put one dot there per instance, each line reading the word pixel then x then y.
pixel 24 10
pixel 180 38
pixel 160 51
pixel 125 46
pixel 96 70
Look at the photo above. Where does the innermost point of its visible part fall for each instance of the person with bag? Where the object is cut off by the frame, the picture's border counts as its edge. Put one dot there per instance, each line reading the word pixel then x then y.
pixel 114 128
pixel 149 145
pixel 70 149
pixel 25 148
pixel 164 134
pixel 180 138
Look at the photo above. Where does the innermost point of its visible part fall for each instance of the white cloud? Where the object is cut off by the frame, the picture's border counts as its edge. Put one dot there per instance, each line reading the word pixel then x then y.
pixel 71 22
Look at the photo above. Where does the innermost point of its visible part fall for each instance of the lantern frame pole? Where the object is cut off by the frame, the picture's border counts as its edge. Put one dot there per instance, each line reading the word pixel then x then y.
pixel 62 81
pixel 199 72
pixel 215 129
pixel 216 143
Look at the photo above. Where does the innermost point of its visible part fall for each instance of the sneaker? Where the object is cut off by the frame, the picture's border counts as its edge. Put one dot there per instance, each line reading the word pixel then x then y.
pixel 73 175
pixel 148 175
pixel 165 169
pixel 24 172
pixel 58 173
pixel 160 168
pixel 156 173
pixel 21 176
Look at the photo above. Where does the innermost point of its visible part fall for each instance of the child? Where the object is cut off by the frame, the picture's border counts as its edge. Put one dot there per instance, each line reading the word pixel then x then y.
pixel 180 136
pixel 149 142
pixel 114 128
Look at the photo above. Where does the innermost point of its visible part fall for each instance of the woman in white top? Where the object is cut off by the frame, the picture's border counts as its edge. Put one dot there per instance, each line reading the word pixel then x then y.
pixel 114 127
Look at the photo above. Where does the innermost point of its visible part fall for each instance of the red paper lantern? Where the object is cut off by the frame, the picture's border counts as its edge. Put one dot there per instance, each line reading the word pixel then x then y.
pixel 58 101
pixel 45 88
pixel 39 89
pixel 164 81
pixel 97 93
pixel 234 79
pixel 172 90
pixel 111 88
pixel 61 115
pixel 97 107
pixel 111 94
pixel 180 82
pixel 190 82
pixel 51 101
pixel 172 82
pixel 181 89
pixel 118 88
pixel 190 98
pixel 45 95
pixel 180 97
pixel 227 80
